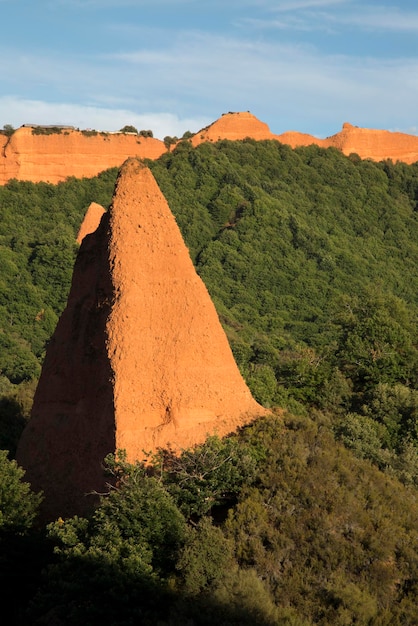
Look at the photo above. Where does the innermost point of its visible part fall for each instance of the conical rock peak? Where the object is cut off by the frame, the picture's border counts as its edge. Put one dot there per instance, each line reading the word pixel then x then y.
pixel 91 221
pixel 139 359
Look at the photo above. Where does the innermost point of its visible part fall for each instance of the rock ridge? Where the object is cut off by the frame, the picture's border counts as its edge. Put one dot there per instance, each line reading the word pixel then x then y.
pixel 54 157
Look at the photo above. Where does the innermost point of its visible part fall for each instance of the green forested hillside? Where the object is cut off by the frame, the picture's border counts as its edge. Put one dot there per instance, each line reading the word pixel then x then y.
pixel 311 258
pixel 38 226
pixel 307 517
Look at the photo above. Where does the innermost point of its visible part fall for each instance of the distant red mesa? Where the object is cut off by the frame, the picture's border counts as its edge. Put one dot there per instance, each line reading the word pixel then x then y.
pixel 54 157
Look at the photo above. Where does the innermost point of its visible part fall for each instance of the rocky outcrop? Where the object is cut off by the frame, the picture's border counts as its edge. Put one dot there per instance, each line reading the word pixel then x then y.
pixel 234 126
pixel 377 145
pixel 138 360
pixel 295 139
pixel 54 157
pixel 91 221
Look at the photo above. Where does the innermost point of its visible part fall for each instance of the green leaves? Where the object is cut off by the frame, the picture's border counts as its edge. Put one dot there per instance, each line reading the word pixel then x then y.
pixel 310 258
pixel 376 340
pixel 38 228
pixel 207 475
pixel 205 558
pixel 18 504
pixel 306 533
pixel 329 534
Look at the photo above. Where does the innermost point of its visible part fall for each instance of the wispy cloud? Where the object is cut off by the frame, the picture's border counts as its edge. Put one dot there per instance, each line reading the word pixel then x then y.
pixel 311 15
pixel 381 19
pixel 297 5
pixel 264 76
pixel 199 75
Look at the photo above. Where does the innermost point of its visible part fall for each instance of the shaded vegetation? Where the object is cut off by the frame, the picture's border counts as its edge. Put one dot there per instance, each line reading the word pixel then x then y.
pixel 38 226
pixel 309 535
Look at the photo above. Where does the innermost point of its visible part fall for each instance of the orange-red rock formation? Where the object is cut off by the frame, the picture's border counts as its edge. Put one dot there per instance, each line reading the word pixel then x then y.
pixel 138 360
pixel 234 126
pixel 376 145
pixel 54 157
pixel 91 221
pixel 368 144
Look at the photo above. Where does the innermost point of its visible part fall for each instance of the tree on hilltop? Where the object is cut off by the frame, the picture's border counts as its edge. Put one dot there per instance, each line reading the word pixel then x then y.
pixel 8 130
pixel 128 129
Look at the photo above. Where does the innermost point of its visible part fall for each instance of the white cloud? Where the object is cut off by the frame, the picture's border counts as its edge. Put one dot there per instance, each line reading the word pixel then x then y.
pixel 190 80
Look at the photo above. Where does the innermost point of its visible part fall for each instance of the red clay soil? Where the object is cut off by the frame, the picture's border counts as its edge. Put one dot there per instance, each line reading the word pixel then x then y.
pixel 52 158
pixel 139 359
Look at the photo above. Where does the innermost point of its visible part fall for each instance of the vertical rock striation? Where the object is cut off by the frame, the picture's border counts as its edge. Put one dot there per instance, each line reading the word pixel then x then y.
pixel 55 156
pixel 139 359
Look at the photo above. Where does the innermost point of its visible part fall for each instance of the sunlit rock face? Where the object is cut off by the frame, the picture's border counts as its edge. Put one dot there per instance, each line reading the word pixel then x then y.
pixel 139 359
pixel 91 221
pixel 376 145
pixel 53 157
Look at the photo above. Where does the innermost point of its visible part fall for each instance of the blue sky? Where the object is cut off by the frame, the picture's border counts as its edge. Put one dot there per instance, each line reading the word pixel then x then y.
pixel 177 65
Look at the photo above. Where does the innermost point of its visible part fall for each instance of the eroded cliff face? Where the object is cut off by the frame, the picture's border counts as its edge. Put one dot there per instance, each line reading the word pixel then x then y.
pixel 234 126
pixel 52 158
pixel 72 425
pixel 367 143
pixel 139 359
pixel 377 145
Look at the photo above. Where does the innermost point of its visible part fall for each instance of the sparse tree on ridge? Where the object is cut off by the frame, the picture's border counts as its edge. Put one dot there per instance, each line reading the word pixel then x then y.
pixel 128 129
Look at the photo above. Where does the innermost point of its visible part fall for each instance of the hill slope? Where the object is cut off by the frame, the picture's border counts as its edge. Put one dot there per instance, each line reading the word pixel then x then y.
pixel 310 257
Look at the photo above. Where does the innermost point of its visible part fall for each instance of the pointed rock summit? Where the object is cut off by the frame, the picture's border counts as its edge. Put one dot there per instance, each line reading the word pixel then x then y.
pixel 91 220
pixel 234 126
pixel 138 360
